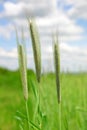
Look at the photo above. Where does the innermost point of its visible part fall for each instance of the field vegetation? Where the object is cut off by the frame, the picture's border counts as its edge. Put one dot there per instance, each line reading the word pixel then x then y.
pixel 41 101
pixel 74 100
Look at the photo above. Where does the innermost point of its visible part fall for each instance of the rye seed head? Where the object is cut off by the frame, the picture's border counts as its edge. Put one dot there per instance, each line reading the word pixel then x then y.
pixel 36 48
pixel 57 68
pixel 22 67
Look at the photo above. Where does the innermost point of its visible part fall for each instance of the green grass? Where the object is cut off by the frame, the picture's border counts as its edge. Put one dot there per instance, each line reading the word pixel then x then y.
pixel 74 100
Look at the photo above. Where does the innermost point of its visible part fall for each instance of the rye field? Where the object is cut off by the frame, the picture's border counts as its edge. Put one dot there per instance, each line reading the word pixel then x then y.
pixel 73 100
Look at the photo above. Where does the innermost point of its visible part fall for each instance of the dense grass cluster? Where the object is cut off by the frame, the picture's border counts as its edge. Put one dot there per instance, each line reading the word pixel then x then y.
pixel 74 107
pixel 38 120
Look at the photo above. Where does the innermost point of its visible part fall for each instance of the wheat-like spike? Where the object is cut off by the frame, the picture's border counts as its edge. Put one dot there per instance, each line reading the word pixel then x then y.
pixel 22 65
pixel 24 46
pixel 57 68
pixel 17 40
pixel 36 48
pixel 23 70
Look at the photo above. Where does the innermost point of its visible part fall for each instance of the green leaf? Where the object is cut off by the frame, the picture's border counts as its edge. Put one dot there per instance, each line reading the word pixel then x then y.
pixel 34 88
pixel 34 126
pixel 21 127
pixel 20 114
pixel 18 118
pixel 44 121
pixel 81 109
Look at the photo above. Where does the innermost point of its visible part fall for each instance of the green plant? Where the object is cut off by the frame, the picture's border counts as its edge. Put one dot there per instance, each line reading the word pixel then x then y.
pixel 38 116
pixel 37 59
pixel 57 73
pixel 36 48
pixel 57 68
pixel 23 73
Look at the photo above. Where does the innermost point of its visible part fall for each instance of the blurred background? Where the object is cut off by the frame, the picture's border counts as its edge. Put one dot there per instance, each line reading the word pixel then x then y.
pixel 69 19
pixel 65 16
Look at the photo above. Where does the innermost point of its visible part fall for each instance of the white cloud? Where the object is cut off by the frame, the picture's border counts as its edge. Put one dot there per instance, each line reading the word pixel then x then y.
pixel 54 19
pixel 76 50
pixel 68 30
pixel 9 54
pixel 6 31
pixel 79 8
pixel 31 8
pixel 9 63
pixel 49 18
pixel 12 9
pixel 73 58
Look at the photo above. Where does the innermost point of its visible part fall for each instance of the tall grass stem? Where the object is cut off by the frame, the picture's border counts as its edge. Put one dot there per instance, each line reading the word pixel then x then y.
pixel 27 113
pixel 57 74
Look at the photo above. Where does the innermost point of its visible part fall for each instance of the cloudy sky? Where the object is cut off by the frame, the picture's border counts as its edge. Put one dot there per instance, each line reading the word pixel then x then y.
pixel 67 16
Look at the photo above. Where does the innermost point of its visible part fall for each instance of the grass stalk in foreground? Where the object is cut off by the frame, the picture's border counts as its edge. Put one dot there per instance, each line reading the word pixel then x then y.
pixel 57 73
pixel 37 57
pixel 27 112
pixel 23 73
pixel 36 48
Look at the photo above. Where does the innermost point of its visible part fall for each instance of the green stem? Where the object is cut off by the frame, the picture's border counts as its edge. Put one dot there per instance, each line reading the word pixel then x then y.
pixel 27 112
pixel 36 110
pixel 37 103
pixel 60 116
pixel 39 95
